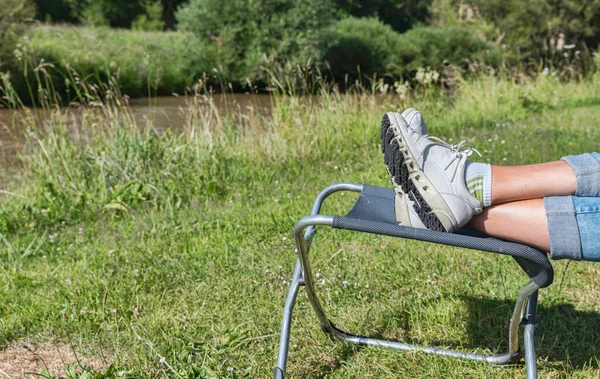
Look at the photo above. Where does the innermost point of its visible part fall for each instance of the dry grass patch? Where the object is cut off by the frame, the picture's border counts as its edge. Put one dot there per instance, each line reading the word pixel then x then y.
pixel 28 360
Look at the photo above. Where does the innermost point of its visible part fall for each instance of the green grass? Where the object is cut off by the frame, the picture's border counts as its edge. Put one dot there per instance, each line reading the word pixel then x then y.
pixel 140 246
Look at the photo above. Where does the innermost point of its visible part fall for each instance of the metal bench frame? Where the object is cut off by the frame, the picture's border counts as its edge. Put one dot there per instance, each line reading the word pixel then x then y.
pixel 532 261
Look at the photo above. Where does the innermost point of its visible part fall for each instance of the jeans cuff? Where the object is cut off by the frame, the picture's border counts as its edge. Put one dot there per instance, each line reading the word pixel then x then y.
pixel 587 171
pixel 565 242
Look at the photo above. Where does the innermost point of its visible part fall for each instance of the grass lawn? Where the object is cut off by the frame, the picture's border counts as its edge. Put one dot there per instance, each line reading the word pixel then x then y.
pixel 170 255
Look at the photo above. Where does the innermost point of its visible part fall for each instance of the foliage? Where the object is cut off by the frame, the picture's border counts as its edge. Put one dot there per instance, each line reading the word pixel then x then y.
pixel 13 16
pixel 443 13
pixel 116 13
pixel 356 47
pixel 533 29
pixel 143 62
pixel 364 47
pixel 453 44
pixel 105 12
pixel 151 20
pixel 240 34
pixel 401 15
pixel 54 11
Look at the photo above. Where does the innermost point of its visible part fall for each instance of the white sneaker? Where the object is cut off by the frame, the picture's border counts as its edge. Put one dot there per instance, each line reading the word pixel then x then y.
pixel 412 117
pixel 415 121
pixel 431 173
pixel 405 207
pixel 405 211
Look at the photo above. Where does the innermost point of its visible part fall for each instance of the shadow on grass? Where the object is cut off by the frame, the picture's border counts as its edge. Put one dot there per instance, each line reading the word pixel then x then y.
pixel 564 335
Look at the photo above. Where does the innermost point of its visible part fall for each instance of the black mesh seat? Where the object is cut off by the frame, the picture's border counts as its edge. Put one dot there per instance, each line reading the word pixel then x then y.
pixel 373 212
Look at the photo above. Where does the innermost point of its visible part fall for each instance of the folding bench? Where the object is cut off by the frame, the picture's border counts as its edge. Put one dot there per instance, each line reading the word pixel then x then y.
pixel 374 213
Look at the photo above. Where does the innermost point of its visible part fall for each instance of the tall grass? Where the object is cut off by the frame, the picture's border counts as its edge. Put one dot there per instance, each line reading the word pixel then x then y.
pixel 95 159
pixel 167 248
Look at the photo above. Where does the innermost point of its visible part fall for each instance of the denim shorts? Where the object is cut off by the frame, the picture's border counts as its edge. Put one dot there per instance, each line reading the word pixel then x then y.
pixel 574 221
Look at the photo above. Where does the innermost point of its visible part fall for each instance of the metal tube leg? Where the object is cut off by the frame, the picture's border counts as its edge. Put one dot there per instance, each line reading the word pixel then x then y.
pixel 286 322
pixel 528 337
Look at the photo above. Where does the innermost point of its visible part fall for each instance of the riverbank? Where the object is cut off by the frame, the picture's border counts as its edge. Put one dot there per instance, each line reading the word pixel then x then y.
pixel 169 253
pixel 144 63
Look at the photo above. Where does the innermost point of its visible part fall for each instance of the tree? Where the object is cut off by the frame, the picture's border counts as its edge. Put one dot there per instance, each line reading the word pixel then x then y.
pixel 534 28
pixel 238 34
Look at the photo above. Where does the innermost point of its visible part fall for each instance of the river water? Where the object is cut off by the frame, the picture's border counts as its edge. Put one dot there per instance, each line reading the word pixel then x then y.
pixel 161 112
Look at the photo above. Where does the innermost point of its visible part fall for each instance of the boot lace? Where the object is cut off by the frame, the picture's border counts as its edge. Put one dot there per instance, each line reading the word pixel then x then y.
pixel 459 150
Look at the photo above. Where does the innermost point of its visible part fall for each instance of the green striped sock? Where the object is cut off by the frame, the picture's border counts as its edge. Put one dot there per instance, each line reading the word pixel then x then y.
pixel 475 186
pixel 478 177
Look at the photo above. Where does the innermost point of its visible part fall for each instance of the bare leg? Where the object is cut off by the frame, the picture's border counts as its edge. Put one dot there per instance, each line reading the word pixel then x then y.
pixel 521 221
pixel 513 183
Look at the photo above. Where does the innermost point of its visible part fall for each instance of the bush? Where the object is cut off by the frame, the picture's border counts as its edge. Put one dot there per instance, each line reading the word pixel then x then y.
pixel 454 44
pixel 365 46
pixel 146 63
pixel 240 33
pixel 13 15
pixel 401 15
pixel 532 29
